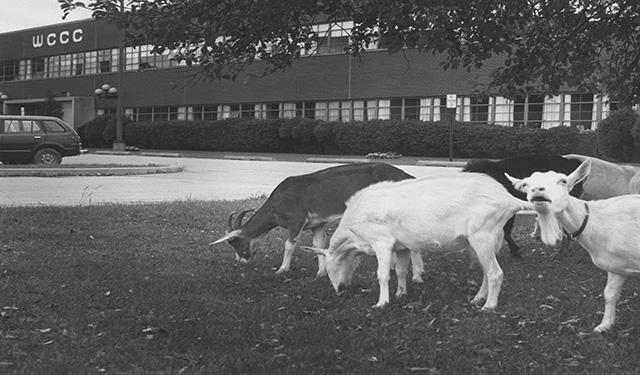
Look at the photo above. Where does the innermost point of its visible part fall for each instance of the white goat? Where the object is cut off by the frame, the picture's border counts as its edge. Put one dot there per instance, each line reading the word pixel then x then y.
pixel 443 213
pixel 607 179
pixel 608 229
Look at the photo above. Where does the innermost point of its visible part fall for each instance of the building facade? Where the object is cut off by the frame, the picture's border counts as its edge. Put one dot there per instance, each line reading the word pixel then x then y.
pixel 68 62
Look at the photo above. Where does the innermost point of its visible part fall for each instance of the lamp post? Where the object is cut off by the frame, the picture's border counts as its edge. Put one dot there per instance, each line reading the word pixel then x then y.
pixel 3 97
pixel 106 90
pixel 118 143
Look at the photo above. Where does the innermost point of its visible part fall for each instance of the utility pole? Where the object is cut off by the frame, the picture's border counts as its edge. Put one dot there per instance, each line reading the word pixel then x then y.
pixel 118 144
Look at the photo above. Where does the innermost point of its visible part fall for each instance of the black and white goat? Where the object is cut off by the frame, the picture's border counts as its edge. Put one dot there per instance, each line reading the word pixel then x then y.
pixel 309 201
pixel 608 229
pixel 444 213
pixel 520 167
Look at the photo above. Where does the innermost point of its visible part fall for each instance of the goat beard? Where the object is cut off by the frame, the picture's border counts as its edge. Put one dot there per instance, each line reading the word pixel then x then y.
pixel 550 229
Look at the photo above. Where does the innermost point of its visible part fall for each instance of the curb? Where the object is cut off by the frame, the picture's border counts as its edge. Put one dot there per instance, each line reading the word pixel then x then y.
pixel 257 158
pixel 141 153
pixel 98 171
pixel 337 160
pixel 441 163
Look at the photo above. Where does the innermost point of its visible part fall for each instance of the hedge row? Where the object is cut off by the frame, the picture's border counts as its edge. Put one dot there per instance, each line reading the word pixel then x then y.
pixel 411 138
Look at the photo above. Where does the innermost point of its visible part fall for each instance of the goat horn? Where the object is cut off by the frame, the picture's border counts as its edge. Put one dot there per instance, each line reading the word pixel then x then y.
pixel 238 221
pixel 230 219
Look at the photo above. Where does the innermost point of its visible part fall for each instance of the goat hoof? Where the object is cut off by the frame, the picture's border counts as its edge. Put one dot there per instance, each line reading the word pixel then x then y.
pixel 281 271
pixel 418 280
pixel 379 305
pixel 601 329
pixel 490 310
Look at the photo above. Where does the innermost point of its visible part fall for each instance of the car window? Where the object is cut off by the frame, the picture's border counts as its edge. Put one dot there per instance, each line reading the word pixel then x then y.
pixel 11 126
pixel 15 126
pixel 53 127
pixel 31 126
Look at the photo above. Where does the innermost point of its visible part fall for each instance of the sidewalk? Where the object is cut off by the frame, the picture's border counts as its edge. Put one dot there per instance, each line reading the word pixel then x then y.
pixel 308 158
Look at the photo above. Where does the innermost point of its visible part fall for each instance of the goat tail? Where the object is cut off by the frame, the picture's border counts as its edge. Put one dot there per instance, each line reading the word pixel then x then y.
pixel 314 250
pixel 523 205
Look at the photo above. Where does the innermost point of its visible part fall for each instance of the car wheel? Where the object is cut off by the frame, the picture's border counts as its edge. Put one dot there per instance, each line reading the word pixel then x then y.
pixel 47 156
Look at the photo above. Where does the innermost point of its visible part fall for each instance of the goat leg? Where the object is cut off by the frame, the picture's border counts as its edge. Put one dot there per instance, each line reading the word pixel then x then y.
pixel 514 249
pixel 384 269
pixel 402 269
pixel 611 294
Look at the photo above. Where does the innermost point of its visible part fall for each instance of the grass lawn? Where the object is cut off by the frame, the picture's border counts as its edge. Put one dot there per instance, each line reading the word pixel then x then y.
pixel 136 289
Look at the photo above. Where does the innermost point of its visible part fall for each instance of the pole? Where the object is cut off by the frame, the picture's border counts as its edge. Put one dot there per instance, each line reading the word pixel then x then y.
pixel 452 115
pixel 118 144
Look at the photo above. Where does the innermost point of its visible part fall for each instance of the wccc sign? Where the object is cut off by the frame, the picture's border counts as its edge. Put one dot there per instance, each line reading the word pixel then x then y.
pixel 62 38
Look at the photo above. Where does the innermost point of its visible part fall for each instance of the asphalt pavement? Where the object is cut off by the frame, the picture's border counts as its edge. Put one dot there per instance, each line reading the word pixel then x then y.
pixel 204 176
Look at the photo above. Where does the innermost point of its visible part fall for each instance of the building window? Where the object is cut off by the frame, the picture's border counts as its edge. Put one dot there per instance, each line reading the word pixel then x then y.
pixel 210 112
pixel 334 111
pixel 395 109
pixel 332 38
pixel 288 110
pixel 107 60
pixel 54 66
pixel 173 113
pixel 91 62
pixel 581 111
pixel 527 111
pixel 78 64
pixel 65 65
pixel 345 111
pixel 247 111
pixel 273 111
pixel 38 68
pixel 359 110
pixel 479 110
pixel 411 109
pixel 10 70
pixel 309 110
pixel 143 58
pixel 145 114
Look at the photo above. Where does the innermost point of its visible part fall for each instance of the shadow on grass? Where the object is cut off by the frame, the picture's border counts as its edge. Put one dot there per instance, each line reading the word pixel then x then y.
pixel 137 289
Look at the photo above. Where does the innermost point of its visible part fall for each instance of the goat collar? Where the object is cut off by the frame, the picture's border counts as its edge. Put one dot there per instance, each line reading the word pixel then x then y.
pixel 584 224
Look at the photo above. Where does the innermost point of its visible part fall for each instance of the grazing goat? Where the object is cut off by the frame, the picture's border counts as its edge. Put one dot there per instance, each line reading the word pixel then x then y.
pixel 309 201
pixel 522 166
pixel 607 180
pixel 608 229
pixel 444 213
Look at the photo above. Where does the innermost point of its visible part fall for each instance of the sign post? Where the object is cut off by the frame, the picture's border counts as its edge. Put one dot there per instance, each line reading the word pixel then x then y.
pixel 451 108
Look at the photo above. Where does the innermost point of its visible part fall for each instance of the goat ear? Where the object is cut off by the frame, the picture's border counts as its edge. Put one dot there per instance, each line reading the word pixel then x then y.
pixel 516 182
pixel 579 174
pixel 314 250
pixel 229 236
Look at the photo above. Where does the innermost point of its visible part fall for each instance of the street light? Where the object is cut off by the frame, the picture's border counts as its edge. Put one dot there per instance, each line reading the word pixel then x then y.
pixel 3 97
pixel 106 91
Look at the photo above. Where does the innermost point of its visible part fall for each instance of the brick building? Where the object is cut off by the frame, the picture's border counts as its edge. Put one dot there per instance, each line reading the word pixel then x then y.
pixel 68 62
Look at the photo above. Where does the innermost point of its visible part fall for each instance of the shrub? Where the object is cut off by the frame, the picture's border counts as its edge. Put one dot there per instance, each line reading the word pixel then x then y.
pixel 91 133
pixel 109 131
pixel 223 135
pixel 615 138
pixel 412 138
pixel 101 131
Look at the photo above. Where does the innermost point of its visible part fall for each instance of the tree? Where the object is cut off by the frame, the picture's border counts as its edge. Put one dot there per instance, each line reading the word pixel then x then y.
pixel 540 45
pixel 50 107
